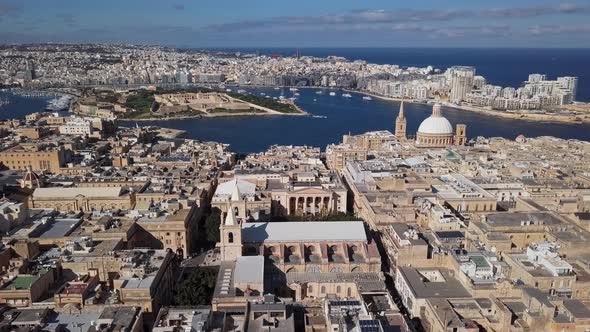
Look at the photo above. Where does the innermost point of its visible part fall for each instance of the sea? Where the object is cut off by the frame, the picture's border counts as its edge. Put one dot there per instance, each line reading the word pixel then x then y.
pixel 334 116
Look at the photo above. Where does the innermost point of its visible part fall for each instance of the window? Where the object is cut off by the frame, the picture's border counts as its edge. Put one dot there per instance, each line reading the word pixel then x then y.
pixel 323 290
pixel 230 237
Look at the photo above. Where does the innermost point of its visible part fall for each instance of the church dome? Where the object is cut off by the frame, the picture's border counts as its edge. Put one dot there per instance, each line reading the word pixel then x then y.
pixel 30 179
pixel 436 124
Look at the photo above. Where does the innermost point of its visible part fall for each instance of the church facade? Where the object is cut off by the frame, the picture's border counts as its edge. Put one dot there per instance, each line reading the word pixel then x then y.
pixel 434 132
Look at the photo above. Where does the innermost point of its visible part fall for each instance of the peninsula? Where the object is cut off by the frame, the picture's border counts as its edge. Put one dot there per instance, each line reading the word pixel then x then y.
pixel 134 68
pixel 150 104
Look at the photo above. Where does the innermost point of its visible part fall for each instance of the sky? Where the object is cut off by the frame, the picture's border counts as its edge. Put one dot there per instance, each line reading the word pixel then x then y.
pixel 300 23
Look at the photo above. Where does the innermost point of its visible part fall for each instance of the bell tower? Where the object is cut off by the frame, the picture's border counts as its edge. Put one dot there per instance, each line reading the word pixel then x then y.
pixel 230 236
pixel 461 134
pixel 400 123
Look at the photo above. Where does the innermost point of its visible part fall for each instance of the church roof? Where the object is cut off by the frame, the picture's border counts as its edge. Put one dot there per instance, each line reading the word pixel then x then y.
pixel 71 192
pixel 235 186
pixel 301 231
pixel 436 124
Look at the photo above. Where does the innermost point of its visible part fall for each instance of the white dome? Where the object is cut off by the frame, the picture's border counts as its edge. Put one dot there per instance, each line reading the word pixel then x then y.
pixel 436 125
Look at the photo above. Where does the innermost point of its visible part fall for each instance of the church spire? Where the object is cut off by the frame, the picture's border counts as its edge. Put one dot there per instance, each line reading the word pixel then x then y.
pixel 230 218
pixel 400 123
pixel 400 115
pixel 236 195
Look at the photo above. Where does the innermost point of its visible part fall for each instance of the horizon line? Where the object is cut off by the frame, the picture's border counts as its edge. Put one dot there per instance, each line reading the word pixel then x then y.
pixel 296 47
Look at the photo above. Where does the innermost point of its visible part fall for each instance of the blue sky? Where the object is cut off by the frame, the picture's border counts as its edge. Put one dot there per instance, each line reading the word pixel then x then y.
pixel 301 23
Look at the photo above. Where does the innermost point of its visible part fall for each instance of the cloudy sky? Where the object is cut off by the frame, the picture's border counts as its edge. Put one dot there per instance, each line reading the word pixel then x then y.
pixel 301 23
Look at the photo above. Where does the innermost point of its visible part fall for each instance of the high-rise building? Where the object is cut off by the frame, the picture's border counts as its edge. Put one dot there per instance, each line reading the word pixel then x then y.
pixel 535 78
pixel 461 82
pixel 570 84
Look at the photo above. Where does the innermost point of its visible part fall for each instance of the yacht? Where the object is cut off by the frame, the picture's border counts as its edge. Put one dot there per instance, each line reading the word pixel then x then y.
pixel 241 91
pixel 296 94
pixel 346 95
pixel 228 90
pixel 367 98
pixel 332 93
pixel 319 92
pixel 293 89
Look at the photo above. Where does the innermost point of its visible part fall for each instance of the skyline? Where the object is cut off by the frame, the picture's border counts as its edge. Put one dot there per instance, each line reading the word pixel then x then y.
pixel 305 24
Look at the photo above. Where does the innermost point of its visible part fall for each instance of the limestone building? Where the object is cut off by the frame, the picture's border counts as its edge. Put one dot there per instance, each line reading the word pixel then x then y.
pixel 38 157
pixel 82 199
pixel 437 132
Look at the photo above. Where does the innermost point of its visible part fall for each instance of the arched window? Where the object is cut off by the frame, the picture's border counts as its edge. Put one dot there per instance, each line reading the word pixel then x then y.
pixel 313 269
pixel 338 290
pixel 349 292
pixel 309 289
pixel 323 290
pixel 230 237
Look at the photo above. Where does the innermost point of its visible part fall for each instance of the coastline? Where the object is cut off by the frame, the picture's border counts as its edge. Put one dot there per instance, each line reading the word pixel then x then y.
pixel 582 119
pixel 533 117
pixel 268 112
pixel 216 115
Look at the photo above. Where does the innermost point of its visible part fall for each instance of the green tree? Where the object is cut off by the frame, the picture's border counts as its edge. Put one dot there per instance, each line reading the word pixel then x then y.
pixel 212 224
pixel 198 288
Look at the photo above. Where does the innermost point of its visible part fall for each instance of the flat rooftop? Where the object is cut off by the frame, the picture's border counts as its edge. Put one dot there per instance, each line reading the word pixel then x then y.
pixel 249 269
pixel 511 219
pixel 60 228
pixel 60 192
pixel 423 288
pixel 21 282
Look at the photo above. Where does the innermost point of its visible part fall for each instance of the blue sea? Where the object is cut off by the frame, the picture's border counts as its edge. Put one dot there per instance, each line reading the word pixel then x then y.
pixel 335 116
pixel 500 66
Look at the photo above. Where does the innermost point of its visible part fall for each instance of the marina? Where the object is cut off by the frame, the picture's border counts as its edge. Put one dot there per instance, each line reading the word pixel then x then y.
pixel 332 117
